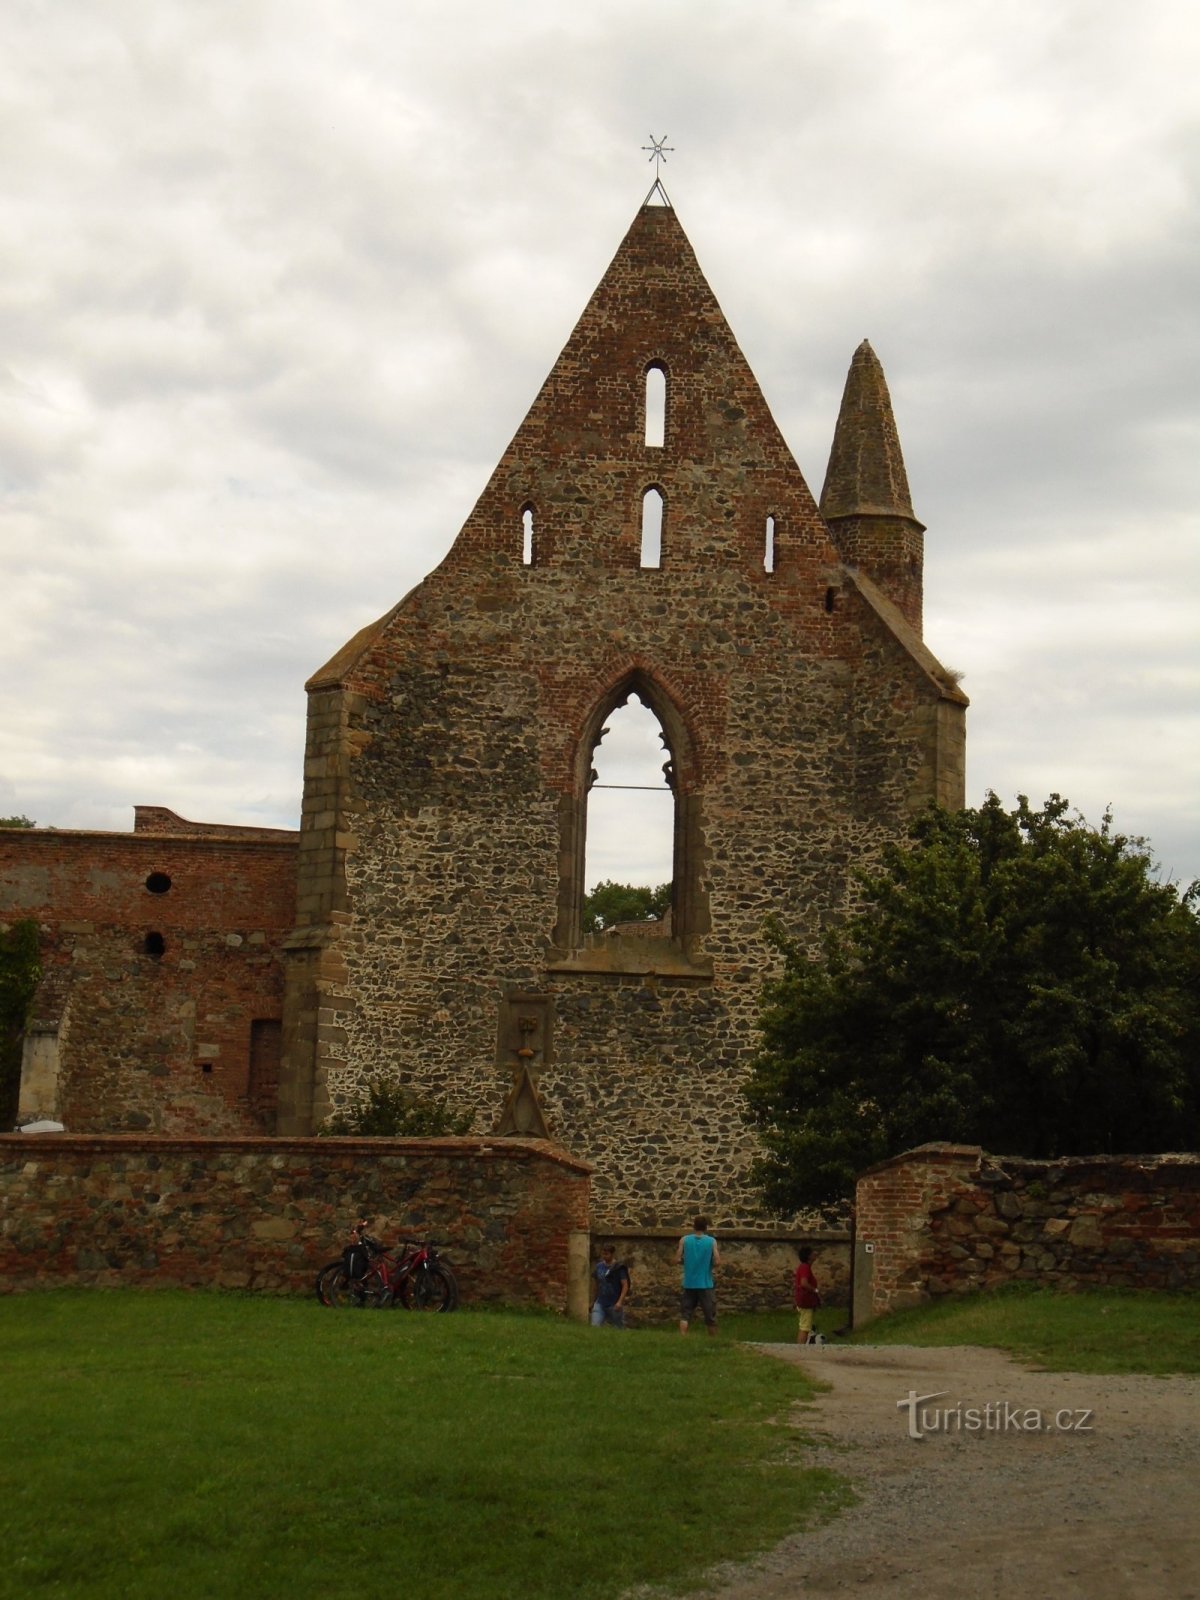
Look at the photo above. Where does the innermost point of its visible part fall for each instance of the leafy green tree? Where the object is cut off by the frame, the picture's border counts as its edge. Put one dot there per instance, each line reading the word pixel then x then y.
pixel 19 974
pixel 17 822
pixel 390 1113
pixel 1017 980
pixel 609 903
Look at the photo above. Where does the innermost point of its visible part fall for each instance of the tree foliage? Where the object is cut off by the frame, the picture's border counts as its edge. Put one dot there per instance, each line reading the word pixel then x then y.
pixel 390 1113
pixel 1017 980
pixel 20 971
pixel 609 903
pixel 17 822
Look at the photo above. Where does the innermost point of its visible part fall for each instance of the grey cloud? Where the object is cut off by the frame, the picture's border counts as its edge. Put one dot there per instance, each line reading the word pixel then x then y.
pixel 296 278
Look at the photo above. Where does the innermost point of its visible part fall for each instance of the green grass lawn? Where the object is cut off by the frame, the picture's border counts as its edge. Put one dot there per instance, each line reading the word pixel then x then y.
pixel 177 1445
pixel 1093 1330
pixel 779 1327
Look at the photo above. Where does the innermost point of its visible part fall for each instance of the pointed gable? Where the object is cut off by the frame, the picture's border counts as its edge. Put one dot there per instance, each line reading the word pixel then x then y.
pixel 579 464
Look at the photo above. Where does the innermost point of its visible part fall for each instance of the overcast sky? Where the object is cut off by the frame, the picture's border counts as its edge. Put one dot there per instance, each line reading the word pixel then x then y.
pixel 281 280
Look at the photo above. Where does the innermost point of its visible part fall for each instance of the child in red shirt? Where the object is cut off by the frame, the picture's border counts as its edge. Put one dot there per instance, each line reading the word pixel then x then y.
pixel 806 1297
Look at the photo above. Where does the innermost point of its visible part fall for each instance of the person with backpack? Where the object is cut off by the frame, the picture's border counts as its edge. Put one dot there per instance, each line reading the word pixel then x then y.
pixel 612 1290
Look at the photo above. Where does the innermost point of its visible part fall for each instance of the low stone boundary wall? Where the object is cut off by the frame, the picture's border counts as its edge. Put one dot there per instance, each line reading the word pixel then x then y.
pixel 756 1272
pixel 948 1219
pixel 265 1214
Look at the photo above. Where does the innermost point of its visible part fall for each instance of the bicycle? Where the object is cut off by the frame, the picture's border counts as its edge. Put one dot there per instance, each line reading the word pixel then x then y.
pixel 425 1282
pixel 369 1276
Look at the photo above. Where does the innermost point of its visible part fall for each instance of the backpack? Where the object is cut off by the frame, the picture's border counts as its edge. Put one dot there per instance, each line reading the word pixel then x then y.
pixel 355 1260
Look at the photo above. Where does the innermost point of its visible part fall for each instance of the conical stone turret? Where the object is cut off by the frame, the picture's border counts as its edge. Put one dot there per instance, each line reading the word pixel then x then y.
pixel 865 500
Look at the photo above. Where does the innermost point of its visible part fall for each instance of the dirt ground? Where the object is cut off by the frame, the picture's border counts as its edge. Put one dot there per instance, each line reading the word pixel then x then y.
pixel 1106 1507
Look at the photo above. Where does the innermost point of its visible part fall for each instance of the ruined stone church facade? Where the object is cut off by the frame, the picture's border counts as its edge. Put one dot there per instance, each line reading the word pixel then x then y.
pixel 433 898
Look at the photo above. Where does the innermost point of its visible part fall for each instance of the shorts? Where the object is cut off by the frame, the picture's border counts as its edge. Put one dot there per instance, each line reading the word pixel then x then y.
pixel 706 1299
pixel 805 1313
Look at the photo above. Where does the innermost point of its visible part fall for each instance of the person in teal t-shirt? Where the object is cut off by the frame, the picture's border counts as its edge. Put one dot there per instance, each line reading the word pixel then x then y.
pixel 698 1255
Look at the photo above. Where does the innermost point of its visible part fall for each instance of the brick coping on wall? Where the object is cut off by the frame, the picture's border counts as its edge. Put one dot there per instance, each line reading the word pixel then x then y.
pixel 451 1148
pixel 47 838
pixel 928 1152
pixel 947 1154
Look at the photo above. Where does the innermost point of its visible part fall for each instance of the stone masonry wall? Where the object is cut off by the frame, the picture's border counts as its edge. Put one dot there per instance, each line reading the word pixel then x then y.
pixel 948 1219
pixel 267 1214
pixel 127 1039
pixel 757 1269
pixel 450 748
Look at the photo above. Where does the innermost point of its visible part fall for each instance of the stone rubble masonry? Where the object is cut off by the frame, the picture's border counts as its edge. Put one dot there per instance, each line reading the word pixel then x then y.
pixel 122 1039
pixel 267 1214
pixel 950 1219
pixel 757 1271
pixel 865 499
pixel 449 749
pixel 439 872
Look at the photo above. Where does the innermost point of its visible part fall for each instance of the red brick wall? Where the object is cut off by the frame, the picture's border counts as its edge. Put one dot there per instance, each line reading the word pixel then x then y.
pixel 948 1219
pixel 266 1214
pixel 160 819
pixel 151 1042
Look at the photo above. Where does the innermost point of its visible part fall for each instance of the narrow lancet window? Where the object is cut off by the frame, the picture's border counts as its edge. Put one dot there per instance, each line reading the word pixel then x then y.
pixel 652 524
pixel 656 408
pixel 527 536
pixel 769 547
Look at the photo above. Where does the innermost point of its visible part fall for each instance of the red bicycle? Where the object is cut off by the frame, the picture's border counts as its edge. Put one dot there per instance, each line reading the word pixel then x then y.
pixel 370 1277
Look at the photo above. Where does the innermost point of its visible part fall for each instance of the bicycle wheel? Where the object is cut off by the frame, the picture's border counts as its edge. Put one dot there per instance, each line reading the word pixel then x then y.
pixel 359 1294
pixel 324 1277
pixel 437 1263
pixel 429 1289
pixel 453 1282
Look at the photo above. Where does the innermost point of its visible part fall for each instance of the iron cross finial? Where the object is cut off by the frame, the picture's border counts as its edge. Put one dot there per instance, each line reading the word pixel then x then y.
pixel 658 151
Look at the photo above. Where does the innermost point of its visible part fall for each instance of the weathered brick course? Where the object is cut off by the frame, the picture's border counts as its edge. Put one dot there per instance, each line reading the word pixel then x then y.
pixel 160 1042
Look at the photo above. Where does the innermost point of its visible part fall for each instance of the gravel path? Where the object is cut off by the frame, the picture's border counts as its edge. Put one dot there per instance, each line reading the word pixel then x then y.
pixel 1111 1511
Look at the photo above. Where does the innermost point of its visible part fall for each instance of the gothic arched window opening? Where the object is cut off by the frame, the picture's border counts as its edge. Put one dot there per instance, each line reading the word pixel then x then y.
pixel 635 737
pixel 631 805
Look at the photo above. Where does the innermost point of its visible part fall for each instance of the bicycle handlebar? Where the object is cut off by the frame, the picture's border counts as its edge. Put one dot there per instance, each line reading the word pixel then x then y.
pixel 373 1244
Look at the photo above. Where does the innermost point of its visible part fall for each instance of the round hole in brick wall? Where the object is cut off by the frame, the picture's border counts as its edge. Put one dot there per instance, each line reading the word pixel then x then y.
pixel 155 944
pixel 158 883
